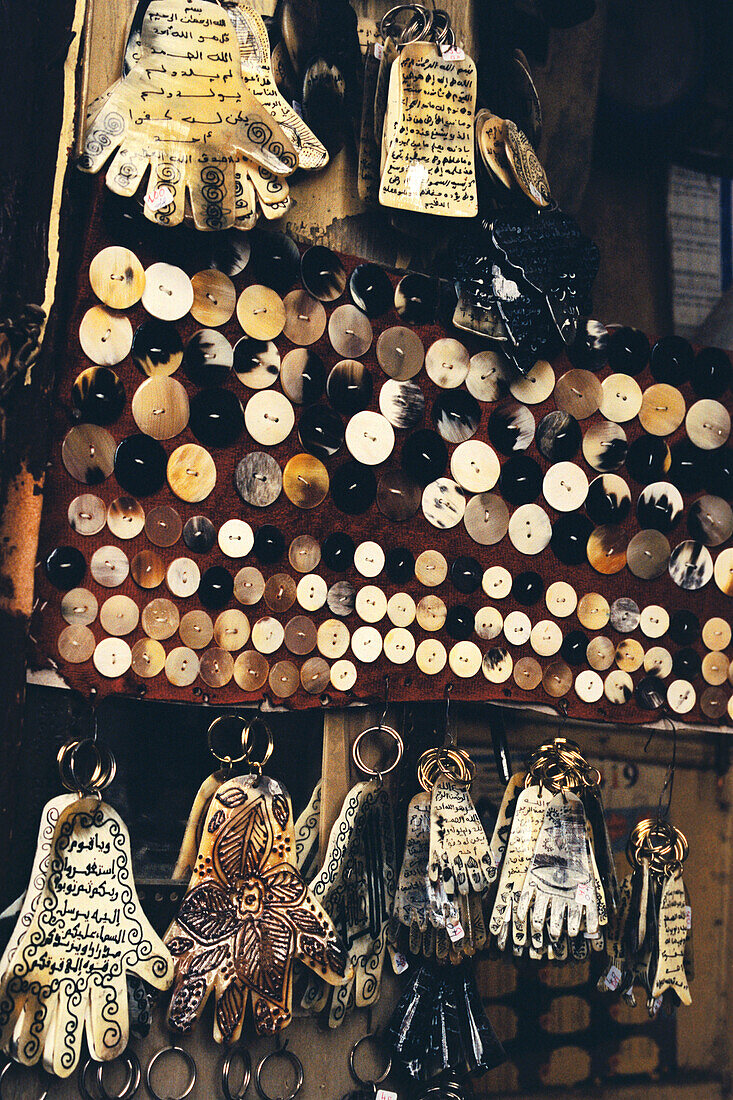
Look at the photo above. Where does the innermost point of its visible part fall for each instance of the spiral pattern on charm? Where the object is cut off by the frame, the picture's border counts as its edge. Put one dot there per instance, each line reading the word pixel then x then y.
pixel 168 173
pixel 114 124
pixel 258 133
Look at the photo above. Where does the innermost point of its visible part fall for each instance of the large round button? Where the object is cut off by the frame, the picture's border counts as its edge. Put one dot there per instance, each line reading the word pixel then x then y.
pixel 366 643
pixel 140 465
pixel 399 564
pixel 399 646
pixel 474 466
pixel 465 659
pixel 629 655
pixel 456 415
pixel 569 539
pixel 275 259
pixel 231 630
pixel 488 623
pixel 497 665
pixel 182 666
pixel 235 538
pixel 647 554
pixel 607 549
pixel 304 553
pixel 315 675
pixel 712 373
pixel 594 611
pixel 546 638
pixel 511 428
pixel 251 670
pixel 249 586
pixel 561 599
pixel 723 569
pixel 160 407
pixel 618 687
pixel 517 628
pixel 486 518
pixel 98 396
pixel 579 393
pixel 654 621
pixel 371 604
pixel 353 488
pixel 105 336
pixel 672 360
pixel 400 353
pixel 659 506
pixel 260 312
pixel 714 701
pixel 686 664
pixel 268 635
pixel 343 675
pixel 535 386
pixel 520 480
pixel 459 622
pixel 157 348
pixel 370 438
pixel 690 565
pixel 322 273
pixel 349 387
pixel 465 575
pixel 79 607
pixel 196 629
pixel 431 613
pixel 371 289
pixel 558 436
pixel 269 417
pixel 600 654
pixel 588 686
pixel 321 431
pixel 199 534
pixel 112 657
pixel 489 373
pixel 401 609
pixel 303 376
pixel 338 551
pixel 305 317
pixel 160 619
pixel 402 403
pixel 398 496
pixel 216 667
pixel 183 577
pixel 148 658
pixel 88 453
pixel 648 459
pixel 87 514
pixel 557 679
pixel 710 520
pixel 311 592
pixel 369 559
pixel 258 479
pixel 497 582
pixel 714 668
pixel 628 350
pixel 65 567
pixel 708 424
pixel 125 518
pixel 574 647
pixel 147 569
pixel 565 486
pixel 416 299
pixel 662 409
pixel 208 358
pixel 621 398
pixel 117 278
pixel 424 456
pixel 681 696
pixel 527 674
pixel 214 297
pixel 446 363
pixel 305 481
pixel 109 566
pixel 608 500
pixel 350 332
pixel 431 656
pixel 300 635
pixel 168 293
pixel 527 588
pixel 605 446
pixel 216 417
pixel 684 627
pixel 443 503
pixel 269 544
pixel 256 363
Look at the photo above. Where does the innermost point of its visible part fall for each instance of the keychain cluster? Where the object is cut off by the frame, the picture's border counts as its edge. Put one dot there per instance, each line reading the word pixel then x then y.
pixel 650 935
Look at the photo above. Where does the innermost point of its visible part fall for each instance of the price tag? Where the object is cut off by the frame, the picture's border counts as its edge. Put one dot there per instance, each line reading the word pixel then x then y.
pixel 378 50
pixel 159 197
pixel 584 893
pixel 453 53
pixel 688 917
pixel 400 963
pixel 385 1094
pixel 613 978
pixel 454 928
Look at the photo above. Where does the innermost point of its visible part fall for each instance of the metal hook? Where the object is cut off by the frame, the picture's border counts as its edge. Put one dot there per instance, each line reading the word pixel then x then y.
pixel 382 721
pixel 449 740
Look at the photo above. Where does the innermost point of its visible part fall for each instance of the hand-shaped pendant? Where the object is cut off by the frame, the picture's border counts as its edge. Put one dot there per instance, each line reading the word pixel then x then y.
pixel 247 915
pixel 459 850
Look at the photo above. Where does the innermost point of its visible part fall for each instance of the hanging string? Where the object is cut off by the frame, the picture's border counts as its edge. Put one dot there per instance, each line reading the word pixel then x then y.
pixel 668 784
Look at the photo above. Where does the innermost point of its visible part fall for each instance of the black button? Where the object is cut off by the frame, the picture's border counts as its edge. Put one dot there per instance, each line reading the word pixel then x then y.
pixel 353 488
pixel 528 588
pixel 520 480
pixel 216 587
pixel 349 387
pixel 208 358
pixel 199 534
pixel 321 431
pixel 648 459
pixel 608 499
pixel 712 373
pixel 216 417
pixel 718 473
pixel 466 575
pixel 416 299
pixel 628 350
pixel 424 456
pixel 140 465
pixel 686 664
pixel 65 567
pixel 337 551
pixel 322 273
pixel 558 436
pixel 570 536
pixel 574 647
pixel 651 693
pixel 371 289
pixel 303 376
pixel 98 395
pixel 686 468
pixel 399 564
pixel 657 509
pixel 456 415
pixel 589 349
pixel 228 251
pixel 684 627
pixel 269 545
pixel 672 360
pixel 511 428
pixel 156 345
pixel 459 622
pixel 274 260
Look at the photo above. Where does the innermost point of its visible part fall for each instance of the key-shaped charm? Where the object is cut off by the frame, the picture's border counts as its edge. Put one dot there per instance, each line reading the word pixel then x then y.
pixel 526 824
pixel 459 850
pixel 670 972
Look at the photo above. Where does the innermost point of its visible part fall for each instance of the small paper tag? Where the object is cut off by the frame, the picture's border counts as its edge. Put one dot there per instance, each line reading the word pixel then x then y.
pixel 584 892
pixel 654 1006
pixel 613 978
pixel 453 53
pixel 454 928
pixel 688 917
pixel 378 50
pixel 400 963
pixel 159 197
pixel 385 1094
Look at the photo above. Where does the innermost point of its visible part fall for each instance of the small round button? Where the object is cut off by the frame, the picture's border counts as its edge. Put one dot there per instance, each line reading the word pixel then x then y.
pixel 486 518
pixel 140 465
pixel 258 479
pixel 280 591
pixel 527 674
pixel 546 638
pixel 400 353
pixel 446 363
pixel 474 466
pixel 588 686
pixel 662 409
pixel 349 387
pixel 714 701
pixel 605 446
pixel 497 582
pixel 594 611
pixel 648 459
pixel 654 621
pixel 214 298
pixel 98 396
pixel 117 278
pixel 369 559
pixel 88 453
pixel 621 398
pixel 465 659
pixel 315 675
pixel 216 667
pixel 714 668
pixel 305 317
pixel 618 687
pixel 517 628
pixel 431 656
pixel 269 417
pixel 658 661
pixel 650 693
pixel 402 403
pixel 303 376
pixel 183 577
pixel 600 654
pixel 157 348
pixel 65 567
pixel 251 670
pixel 488 623
pixel 147 569
pixel 561 599
pixel 79 607
pixel 398 496
pixel 557 679
pixel 569 539
pixel 579 393
pixel 87 514
pixel 199 534
pixel 647 554
pixel 497 665
pixel 366 644
pixel 457 415
pixel 304 553
pixel 269 544
pixel 716 634
pixel 712 373
pixel 691 566
pixel 182 666
pixel 489 373
pixel 625 615
pixel 558 436
pixel 424 456
pixel 565 486
pixel 112 657
pixel 465 575
pixel 160 407
pixel 321 431
pixel 628 350
pixel 260 312
pixel 708 424
pixel 305 481
pixel 608 500
pixel 511 428
pixel 629 655
pixel 231 630
pixel 672 360
pixel 125 517
pixel 371 289
pixel 431 568
pixel 527 588
pixel 196 629
pixel 607 549
pixel 681 696
pixel 311 592
pixel 343 675
pixel 459 622
pixel 148 658
pixel 723 569
pixel 105 336
pixel 256 363
pixel 249 586
pixel 350 332
pixel 431 613
pixel 370 438
pixel 168 293
pixel 684 628
pixel 160 619
pixel 401 609
pixel 574 647
pixel 322 273
pixel 268 635
pixel 333 638
pixel 235 538
pixel 371 604
pixel 338 551
pixel 443 503
pixel 109 566
pixel 416 299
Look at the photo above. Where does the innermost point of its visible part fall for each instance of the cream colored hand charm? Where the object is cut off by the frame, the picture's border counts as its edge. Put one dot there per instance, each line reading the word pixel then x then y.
pixel 184 110
pixel 459 850
pixel 527 821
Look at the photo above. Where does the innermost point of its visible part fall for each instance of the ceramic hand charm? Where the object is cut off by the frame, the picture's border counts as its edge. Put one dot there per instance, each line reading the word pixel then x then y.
pixel 184 110
pixel 459 850
pixel 247 915
pixel 66 971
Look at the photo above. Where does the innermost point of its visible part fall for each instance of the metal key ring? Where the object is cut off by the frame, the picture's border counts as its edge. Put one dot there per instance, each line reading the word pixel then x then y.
pixel 6 1069
pixel 188 1059
pixel 67 754
pixel 257 765
pixel 226 1069
pixel 132 1083
pixel 359 760
pixel 388 22
pixel 98 785
pixel 227 761
pixel 374 1037
pixel 295 1062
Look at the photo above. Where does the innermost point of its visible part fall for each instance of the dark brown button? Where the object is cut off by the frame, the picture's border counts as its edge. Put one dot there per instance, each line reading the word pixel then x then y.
pixel 280 592
pixel 400 353
pixel 98 395
pixel 88 453
pixel 557 678
pixel 647 554
pixel 251 670
pixel 208 358
pixel 157 348
pixel 147 569
pixel 305 317
pixel 300 635
pixel 605 446
pixel 710 520
pixel 398 496
pixel 163 525
pixel 579 393
pixel 322 273
pixel 304 554
pixel 714 702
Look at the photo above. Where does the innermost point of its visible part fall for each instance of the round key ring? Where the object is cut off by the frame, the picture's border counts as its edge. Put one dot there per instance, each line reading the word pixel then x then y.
pixel 188 1059
pixel 226 760
pixel 295 1062
pixel 101 775
pixel 226 1073
pixel 376 730
pixel 367 1082
pixel 256 766
pixel 5 1070
pixel 132 1081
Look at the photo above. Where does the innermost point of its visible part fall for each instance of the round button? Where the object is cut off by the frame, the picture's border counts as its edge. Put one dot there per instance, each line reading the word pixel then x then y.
pixel 497 665
pixel 214 297
pixel 369 559
pixel 260 312
pixel 117 278
pixel 715 668
pixel 125 518
pixel 486 518
pixel 304 554
pixel 416 299
pixel 618 687
pixel 648 459
pixel 168 293
pixel 183 577
pixel 589 349
pixel 625 615
pixel 681 696
pixel 684 627
pixel 465 659
pixel 459 622
pixel 443 503
pixel 402 403
pixel 87 514
pixel 98 396
pixel 160 407
pixel 269 545
pixel 474 466
pixel 600 654
pixel 140 465
pixel 457 415
pixel 160 619
pixel 579 393
pixel 76 644
pixel 305 481
pixel 251 670
pixel 105 336
pixel 349 387
pixel 594 611
pixel 284 679
pixel 723 568
pixel 268 635
pixel 249 586
pixel 716 634
pixel 574 647
pixel 628 350
pixel 231 630
pixel 148 658
pixel 520 480
pixel 370 438
pixel 527 674
pixel 557 679
pixel 208 358
pixel 710 520
pixel 303 376
pixel 109 566
pixel 647 554
pixel 712 373
pixel 565 486
pixel 431 656
pixel 315 675
pixel 191 473
pixel 424 456
pixel 654 621
pixel 608 500
pixel 157 348
pixel 216 417
pixel 546 638
pixel 199 534
pixel 371 289
pixel 401 609
pixel 621 398
pixel 322 273
pixel 311 592
pixel 691 566
pixel 527 588
pixel 343 675
pixel 216 587
pixel 446 363
pixel 662 409
pixel 350 332
pixel 88 452
pixel 280 592
pixel 120 615
pixel 431 568
pixel 558 436
pixel 605 446
pixel 269 418
pixel 659 506
pixel 398 496
pixel 672 360
pixel 333 638
pixel 305 317
pixel 112 657
pixel 321 431
pixel 182 666
pixel 650 693
pixel 629 655
pixel 371 604
pixel 216 667
pixel 400 353
pixel 713 702
pixel 340 598
pixel 569 541
pixel 497 582
pixel 488 623
pixel 588 686
pixel 561 599
pixel 488 376
pixel 353 488
pixel 607 549
pixel 511 428
pixel 79 607
pixel 708 424
pixel 465 575
pixel 431 613
pixel 517 627
pixel 366 643
pixel 718 473
pixel 196 629
pixel 256 363
pixel 536 385
pixel 275 260
pixel 258 479
pixel 658 661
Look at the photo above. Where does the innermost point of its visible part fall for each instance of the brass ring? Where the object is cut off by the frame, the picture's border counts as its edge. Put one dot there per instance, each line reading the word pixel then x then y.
pixel 257 765
pixel 6 1069
pixel 188 1059
pixel 429 765
pixel 388 24
pixel 373 1037
pixel 295 1063
pixel 358 759
pixel 226 1069
pixel 102 774
pixel 227 761
pixel 131 1085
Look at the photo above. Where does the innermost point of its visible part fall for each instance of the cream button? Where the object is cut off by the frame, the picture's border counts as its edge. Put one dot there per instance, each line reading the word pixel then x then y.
pixel 366 644
pixel 235 538
pixel 168 293
pixel 304 553
pixel 191 473
pixel 497 582
pixel 112 657
pixel 214 298
pixel 446 363
pixel 105 336
pixel 268 634
pixel 662 410
pixel 117 278
pixel 594 611
pixel 231 630
pixel 183 577
pixel 465 659
pixel 369 437
pixel 371 604
pixel 249 586
pixel 182 666
pixel 625 615
pixel 269 417
pixel 488 623
pixel 125 517
pixel 561 599
pixel 343 675
pixel 486 518
pixel 658 661
pixel 588 686
pixel 527 673
pixel 120 615
pixel 431 568
pixel 714 668
pixel 87 514
pixel 400 353
pixel 76 644
pixel 350 332
pixel 443 503
pixel 399 646
pixel 369 559
pixel 565 486
pixel 629 655
pixel 311 592
pixel 546 638
pixel 315 675
pixel 109 566
pixel 517 628
pixel 475 466
pixel 681 696
pixel 691 567
pixel 530 529
pixel 160 407
pixel 654 621
pixel 79 607
pixel 536 386
pixel 160 619
pixel 618 687
pixel 716 633
pixel 579 393
pixel 148 658
pixel 723 570
pixel 251 670
pixel 620 398
pixel 431 656
pixel 488 376
pixel 708 424
pixel 497 665
pixel 196 629
pixel 431 613
pixel 333 638
pixel 401 609
pixel 260 312
pixel 216 667
pixel 647 554
pixel 600 654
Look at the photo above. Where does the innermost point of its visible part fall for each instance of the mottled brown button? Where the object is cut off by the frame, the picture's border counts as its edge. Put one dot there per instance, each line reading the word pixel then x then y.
pixel 284 679
pixel 88 453
pixel 708 424
pixel 561 599
pixel 497 665
pixel 714 702
pixel 120 615
pixel 579 393
pixel 535 386
pixel 105 336
pixel 527 673
pixel 486 518
pixel 350 332
pixel 400 353
pixel 488 623
pixel 431 568
pixel 214 298
pixel 79 607
pixel 182 666
pixel 160 619
pixel 588 686
pixel 168 293
pixel 125 517
pixel 304 554
pixel 315 675
pixel 607 549
pixel 196 629
pixel 715 668
pixel 76 644
pixel 662 409
pixel 601 653
pixel 160 407
pixel 249 586
pixel 163 525
pixel 594 611
pixel 280 592
pixel 87 514
pixel 557 678
pixel 431 613
pixel 621 398
pixel 260 312
pixel 112 657
pixel 647 554
pixel 497 582
pixel 305 481
pixel 183 577
pixel 231 630
pixel 300 635
pixel 305 317
pixel 148 658
pixel 117 278
pixel 109 566
pixel 658 661
pixel 431 656
pixel 343 675
pixel 148 569
pixel 716 633
pixel 446 363
pixel 268 634
pixel 333 638
pixel 398 496
pixel 489 374
pixel 251 670
pixel 629 655
pixel 191 473
pixel 216 667
pixel 258 479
